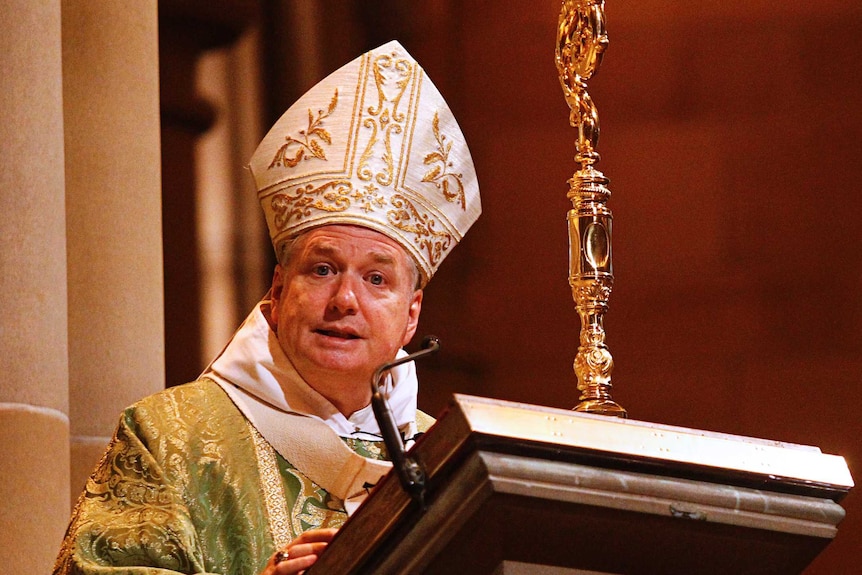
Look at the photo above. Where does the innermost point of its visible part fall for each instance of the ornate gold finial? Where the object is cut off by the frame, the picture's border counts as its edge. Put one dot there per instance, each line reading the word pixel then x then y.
pixel 581 41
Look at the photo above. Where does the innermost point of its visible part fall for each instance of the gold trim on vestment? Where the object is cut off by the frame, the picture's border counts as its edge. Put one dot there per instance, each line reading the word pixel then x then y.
pixel 272 488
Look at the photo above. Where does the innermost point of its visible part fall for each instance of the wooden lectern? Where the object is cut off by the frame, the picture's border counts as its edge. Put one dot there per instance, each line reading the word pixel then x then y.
pixel 517 489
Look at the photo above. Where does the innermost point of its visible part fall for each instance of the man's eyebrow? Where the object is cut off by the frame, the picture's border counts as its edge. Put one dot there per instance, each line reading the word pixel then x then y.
pixel 319 249
pixel 382 258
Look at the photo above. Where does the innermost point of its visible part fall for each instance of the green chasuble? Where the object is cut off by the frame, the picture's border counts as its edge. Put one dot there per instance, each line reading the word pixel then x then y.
pixel 187 485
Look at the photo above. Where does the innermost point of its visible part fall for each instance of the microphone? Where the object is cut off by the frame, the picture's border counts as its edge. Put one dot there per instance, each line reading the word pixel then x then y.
pixel 409 471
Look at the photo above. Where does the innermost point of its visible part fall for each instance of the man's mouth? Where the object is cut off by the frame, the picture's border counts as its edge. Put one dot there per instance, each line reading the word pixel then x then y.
pixel 337 334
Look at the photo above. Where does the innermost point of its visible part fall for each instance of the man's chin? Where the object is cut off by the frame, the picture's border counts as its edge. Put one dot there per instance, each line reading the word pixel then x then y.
pixel 349 364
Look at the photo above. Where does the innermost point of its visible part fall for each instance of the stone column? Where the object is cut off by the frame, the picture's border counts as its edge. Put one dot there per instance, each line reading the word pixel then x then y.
pixel 34 428
pixel 113 208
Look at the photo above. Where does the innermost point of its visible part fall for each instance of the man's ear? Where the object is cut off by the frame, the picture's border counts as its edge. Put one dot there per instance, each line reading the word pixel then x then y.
pixel 276 293
pixel 413 316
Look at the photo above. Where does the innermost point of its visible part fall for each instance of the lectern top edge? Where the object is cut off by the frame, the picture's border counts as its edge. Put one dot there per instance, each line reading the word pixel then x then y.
pixel 775 460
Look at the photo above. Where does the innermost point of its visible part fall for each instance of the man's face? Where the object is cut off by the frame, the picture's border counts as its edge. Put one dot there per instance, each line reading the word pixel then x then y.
pixel 343 305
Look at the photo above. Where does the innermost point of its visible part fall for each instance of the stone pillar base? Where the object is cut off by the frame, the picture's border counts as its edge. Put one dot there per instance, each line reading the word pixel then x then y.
pixel 34 488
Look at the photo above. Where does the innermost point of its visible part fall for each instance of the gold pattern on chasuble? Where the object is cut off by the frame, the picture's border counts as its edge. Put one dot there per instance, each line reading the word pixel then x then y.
pixel 273 491
pixel 294 503
pixel 124 493
pixel 447 182
pixel 131 511
pixel 313 507
pixel 306 145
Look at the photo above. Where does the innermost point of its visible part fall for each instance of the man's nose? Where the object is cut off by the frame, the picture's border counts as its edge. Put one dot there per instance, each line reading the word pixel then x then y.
pixel 344 298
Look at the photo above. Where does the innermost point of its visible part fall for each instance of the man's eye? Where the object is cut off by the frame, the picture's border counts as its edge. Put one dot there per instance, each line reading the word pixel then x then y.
pixel 322 270
pixel 375 279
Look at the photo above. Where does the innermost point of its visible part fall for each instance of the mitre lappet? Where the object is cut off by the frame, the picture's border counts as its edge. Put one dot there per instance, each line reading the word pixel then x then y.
pixel 374 144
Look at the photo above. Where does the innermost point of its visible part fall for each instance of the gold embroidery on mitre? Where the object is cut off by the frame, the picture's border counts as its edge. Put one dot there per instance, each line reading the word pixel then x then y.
pixel 392 158
pixel 308 146
pixel 449 183
pixel 332 196
pixel 407 217
pixel 369 198
pixel 384 119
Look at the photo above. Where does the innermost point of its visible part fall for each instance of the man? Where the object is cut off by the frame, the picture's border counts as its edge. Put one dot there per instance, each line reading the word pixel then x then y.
pixel 367 185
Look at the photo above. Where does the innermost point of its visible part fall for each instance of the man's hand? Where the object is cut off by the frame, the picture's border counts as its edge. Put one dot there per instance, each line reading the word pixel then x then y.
pixel 299 554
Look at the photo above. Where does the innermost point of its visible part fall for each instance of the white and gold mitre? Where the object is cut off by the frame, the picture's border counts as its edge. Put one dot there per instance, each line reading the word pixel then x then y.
pixel 374 145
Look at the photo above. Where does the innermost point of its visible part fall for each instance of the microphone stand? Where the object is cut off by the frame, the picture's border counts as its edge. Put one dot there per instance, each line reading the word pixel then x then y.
pixel 409 471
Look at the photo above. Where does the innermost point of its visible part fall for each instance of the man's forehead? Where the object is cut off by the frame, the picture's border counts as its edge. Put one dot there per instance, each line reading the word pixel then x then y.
pixel 334 239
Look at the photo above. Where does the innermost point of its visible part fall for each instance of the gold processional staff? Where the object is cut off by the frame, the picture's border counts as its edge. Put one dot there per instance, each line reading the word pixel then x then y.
pixel 581 41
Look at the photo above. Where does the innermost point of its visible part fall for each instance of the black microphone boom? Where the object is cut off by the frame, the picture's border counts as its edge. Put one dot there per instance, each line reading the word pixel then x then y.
pixel 409 471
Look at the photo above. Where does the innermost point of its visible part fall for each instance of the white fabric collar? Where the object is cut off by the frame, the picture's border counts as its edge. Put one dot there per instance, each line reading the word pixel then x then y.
pixel 254 361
